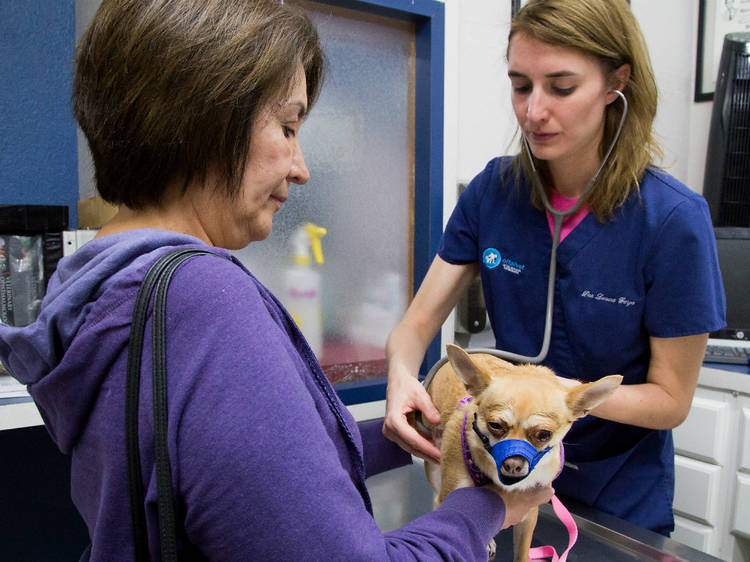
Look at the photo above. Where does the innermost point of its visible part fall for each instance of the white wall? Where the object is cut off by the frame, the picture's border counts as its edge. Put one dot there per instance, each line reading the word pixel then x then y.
pixel 671 31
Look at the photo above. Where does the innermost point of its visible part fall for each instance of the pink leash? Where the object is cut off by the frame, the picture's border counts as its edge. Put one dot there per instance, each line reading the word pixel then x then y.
pixel 542 552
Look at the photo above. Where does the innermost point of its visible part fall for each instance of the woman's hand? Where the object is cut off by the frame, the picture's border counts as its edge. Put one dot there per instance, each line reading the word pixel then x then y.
pixel 405 394
pixel 519 502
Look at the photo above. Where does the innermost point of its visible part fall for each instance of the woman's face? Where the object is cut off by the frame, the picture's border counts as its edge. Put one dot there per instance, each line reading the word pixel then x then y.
pixel 275 161
pixel 559 98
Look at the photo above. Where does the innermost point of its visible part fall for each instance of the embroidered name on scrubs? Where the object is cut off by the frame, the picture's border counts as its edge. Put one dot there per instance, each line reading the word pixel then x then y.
pixel 613 300
pixel 492 258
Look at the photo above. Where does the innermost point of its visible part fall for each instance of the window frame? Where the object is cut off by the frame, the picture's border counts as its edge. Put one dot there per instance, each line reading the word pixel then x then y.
pixel 428 17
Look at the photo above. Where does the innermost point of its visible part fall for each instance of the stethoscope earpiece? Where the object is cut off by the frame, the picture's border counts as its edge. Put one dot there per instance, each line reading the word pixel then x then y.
pixel 622 97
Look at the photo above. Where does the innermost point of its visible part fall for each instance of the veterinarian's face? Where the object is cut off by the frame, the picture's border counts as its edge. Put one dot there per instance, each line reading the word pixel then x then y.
pixel 559 97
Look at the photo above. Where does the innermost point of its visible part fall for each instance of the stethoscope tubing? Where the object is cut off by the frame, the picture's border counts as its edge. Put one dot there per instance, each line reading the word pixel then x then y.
pixel 558 217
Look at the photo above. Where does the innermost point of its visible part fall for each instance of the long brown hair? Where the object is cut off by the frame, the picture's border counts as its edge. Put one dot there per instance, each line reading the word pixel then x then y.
pixel 168 90
pixel 607 31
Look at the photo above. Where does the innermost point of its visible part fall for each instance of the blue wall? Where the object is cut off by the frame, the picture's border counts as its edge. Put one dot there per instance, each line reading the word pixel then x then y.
pixel 38 155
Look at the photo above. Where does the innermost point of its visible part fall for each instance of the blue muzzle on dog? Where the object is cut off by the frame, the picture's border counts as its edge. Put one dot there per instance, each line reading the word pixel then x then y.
pixel 515 448
pixel 507 448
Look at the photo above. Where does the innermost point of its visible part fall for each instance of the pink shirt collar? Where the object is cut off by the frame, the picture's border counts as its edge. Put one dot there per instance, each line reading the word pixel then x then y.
pixel 561 203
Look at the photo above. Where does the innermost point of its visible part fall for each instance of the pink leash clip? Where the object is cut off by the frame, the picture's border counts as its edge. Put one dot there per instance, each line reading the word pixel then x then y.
pixel 540 553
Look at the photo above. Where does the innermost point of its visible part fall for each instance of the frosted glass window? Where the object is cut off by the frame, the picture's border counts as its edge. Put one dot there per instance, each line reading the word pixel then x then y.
pixel 358 144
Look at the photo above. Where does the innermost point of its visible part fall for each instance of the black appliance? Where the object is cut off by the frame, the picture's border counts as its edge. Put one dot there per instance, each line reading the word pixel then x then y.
pixel 726 183
pixel 733 247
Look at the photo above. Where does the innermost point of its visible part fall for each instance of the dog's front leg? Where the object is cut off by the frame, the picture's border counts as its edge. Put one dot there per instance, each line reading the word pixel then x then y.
pixel 522 536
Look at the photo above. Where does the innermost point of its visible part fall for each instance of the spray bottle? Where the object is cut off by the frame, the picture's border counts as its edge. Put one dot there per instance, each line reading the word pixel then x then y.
pixel 301 294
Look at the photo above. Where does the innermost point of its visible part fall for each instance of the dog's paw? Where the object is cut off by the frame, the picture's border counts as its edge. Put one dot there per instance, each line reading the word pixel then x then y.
pixel 491 550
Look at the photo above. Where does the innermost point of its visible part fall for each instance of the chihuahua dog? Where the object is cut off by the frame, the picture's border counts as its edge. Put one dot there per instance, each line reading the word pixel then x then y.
pixel 503 424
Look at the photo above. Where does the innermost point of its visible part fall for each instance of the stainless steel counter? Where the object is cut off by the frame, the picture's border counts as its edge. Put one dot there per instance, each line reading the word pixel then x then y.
pixel 404 494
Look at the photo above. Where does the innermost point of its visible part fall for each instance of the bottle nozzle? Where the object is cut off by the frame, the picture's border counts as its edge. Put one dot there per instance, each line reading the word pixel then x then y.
pixel 315 233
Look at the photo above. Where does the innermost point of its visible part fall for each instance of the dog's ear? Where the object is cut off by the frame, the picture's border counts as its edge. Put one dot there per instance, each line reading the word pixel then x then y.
pixel 472 376
pixel 585 397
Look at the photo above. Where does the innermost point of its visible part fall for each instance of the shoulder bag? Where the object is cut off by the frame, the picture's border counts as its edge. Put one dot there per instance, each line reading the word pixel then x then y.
pixel 155 282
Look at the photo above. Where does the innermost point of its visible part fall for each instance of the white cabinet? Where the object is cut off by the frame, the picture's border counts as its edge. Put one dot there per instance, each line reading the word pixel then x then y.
pixel 701 435
pixel 704 481
pixel 696 535
pixel 712 473
pixel 741 518
pixel 741 521
pixel 745 458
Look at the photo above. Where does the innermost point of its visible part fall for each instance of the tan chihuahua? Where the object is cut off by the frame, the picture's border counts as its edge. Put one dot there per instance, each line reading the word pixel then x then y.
pixel 503 424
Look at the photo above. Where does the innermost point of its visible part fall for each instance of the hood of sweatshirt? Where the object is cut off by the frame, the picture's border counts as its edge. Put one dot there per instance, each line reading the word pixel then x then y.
pixel 64 388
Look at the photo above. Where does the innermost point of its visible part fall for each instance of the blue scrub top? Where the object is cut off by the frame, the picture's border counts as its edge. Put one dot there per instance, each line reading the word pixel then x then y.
pixel 651 270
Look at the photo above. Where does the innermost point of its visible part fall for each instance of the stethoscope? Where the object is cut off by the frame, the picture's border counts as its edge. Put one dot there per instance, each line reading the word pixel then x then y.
pixel 558 216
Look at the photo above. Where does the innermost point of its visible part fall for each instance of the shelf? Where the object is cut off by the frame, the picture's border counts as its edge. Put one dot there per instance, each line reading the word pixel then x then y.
pixel 16 413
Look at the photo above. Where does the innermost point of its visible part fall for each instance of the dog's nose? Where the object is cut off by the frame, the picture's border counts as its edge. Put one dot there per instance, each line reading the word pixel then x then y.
pixel 515 466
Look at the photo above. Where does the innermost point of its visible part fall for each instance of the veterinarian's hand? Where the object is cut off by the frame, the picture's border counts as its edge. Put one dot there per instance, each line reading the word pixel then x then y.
pixel 519 502
pixel 404 395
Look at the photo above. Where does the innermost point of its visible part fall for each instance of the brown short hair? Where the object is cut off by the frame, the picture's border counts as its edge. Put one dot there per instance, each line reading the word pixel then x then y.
pixel 608 31
pixel 168 90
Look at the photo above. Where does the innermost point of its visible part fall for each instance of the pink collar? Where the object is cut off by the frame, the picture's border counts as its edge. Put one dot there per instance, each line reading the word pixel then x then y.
pixel 562 203
pixel 477 476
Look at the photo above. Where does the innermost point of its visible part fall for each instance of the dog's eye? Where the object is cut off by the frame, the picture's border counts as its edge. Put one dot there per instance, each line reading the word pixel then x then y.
pixel 494 426
pixel 544 435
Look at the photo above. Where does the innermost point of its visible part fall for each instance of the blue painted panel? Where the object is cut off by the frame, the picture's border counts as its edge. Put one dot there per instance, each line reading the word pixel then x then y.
pixel 402 9
pixel 371 390
pixel 428 200
pixel 38 155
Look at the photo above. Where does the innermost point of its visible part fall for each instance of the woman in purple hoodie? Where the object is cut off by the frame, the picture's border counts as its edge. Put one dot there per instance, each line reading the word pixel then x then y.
pixel 192 110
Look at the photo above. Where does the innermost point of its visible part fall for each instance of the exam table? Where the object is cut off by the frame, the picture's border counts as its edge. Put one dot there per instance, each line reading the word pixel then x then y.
pixel 403 494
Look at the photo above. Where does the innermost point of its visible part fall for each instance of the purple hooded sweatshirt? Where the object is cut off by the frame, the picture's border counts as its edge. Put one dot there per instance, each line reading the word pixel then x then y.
pixel 267 463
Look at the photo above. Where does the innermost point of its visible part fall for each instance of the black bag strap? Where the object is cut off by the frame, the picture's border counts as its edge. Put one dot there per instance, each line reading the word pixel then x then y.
pixel 155 282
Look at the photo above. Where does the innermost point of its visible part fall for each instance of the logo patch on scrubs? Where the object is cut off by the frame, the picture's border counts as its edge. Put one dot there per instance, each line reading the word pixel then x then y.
pixel 491 258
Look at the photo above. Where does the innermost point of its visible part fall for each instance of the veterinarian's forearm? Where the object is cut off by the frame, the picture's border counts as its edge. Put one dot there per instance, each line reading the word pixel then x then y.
pixel 644 405
pixel 405 349
pixel 664 401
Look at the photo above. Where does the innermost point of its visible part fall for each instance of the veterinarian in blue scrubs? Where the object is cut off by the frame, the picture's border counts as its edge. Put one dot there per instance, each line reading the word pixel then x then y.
pixel 637 286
